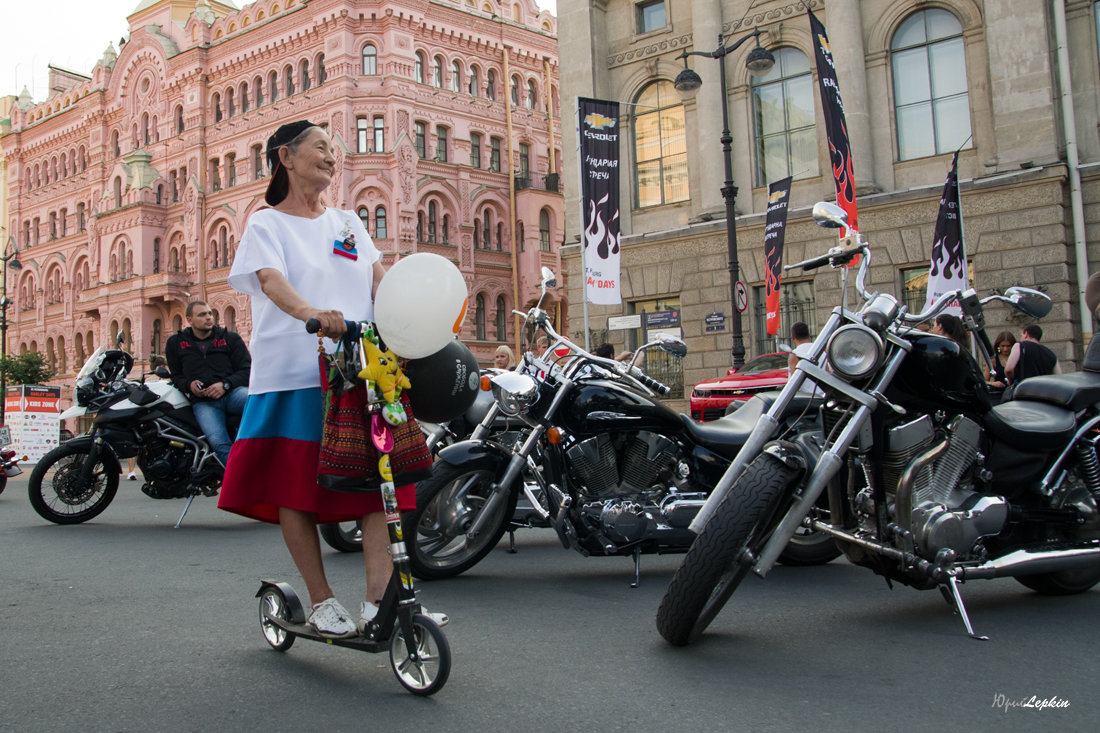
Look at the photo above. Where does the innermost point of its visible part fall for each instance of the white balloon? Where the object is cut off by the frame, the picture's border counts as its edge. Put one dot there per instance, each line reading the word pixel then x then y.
pixel 420 305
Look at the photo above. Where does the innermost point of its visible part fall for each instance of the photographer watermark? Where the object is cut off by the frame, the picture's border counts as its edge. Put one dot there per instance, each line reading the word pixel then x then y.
pixel 1028 703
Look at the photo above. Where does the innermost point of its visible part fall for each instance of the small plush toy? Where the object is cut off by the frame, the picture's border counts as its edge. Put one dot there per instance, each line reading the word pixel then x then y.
pixel 384 376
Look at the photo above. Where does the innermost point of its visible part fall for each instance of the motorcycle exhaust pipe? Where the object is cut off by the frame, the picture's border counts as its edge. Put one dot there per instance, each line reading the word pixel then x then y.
pixel 1030 562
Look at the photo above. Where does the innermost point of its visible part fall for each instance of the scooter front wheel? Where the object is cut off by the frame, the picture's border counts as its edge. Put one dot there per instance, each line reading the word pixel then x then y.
pixel 273 604
pixel 422 666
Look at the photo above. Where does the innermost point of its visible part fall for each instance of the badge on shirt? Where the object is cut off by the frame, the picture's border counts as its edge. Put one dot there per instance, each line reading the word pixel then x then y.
pixel 346 247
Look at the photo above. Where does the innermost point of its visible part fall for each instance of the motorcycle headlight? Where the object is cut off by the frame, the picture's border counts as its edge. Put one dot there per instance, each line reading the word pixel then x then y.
pixel 854 351
pixel 515 393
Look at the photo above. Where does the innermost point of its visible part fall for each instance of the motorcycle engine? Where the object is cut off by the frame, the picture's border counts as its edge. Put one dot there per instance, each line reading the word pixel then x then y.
pixel 166 465
pixel 629 463
pixel 944 510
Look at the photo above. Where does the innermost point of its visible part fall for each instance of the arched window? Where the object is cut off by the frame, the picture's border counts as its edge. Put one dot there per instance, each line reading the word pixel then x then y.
pixel 370 60
pixel 486 229
pixel 364 216
pixel 114 147
pixel 288 80
pixel 158 335
pixel 419 139
pixel 273 86
pixel 380 223
pixel 931 98
pixel 783 119
pixel 216 103
pixel 456 76
pixel 116 186
pixel 532 94
pixel 479 318
pixel 433 214
pixel 258 87
pixel 322 75
pixel 445 237
pixel 437 72
pixel 418 68
pixel 303 75
pixel 515 90
pixel 420 226
pixel 500 321
pixel 500 236
pixel 544 230
pixel 230 104
pixel 521 236
pixel 660 146
pixel 475 81
pixel 491 84
pixel 244 97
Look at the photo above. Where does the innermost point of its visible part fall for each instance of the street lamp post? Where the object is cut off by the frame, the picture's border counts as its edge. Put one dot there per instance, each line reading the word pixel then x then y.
pixel 760 61
pixel 9 261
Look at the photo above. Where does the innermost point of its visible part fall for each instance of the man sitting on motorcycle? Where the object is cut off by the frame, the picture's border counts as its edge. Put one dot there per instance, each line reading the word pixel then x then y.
pixel 210 364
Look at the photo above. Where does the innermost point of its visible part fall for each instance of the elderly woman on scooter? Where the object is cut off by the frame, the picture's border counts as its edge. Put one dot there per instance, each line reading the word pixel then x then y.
pixel 298 260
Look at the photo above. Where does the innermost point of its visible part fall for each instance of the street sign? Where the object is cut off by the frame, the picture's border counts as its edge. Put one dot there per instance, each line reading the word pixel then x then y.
pixel 624 323
pixel 742 297
pixel 715 322
pixel 661 319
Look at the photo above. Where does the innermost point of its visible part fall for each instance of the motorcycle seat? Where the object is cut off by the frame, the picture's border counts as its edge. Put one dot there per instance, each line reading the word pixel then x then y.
pixel 1074 391
pixel 726 435
pixel 1031 426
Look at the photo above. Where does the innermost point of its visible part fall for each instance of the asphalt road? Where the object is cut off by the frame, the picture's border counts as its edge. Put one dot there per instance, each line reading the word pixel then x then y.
pixel 126 624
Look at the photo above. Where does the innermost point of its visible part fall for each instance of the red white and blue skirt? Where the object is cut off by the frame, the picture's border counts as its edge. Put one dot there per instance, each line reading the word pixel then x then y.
pixel 273 463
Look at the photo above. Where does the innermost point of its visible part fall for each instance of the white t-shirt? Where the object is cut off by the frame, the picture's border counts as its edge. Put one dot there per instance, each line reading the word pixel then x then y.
pixel 284 356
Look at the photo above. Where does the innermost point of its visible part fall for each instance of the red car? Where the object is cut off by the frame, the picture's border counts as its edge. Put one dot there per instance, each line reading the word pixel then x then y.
pixel 710 398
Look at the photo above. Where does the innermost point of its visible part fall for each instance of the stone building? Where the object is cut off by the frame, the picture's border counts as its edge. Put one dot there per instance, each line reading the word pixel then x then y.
pixel 129 187
pixel 1013 83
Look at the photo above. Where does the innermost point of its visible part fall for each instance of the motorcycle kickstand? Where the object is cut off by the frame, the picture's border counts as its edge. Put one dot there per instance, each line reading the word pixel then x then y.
pixel 637 567
pixel 951 594
pixel 183 514
pixel 511 542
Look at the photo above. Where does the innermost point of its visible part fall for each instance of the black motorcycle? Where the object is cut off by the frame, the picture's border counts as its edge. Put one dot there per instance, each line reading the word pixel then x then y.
pixel 599 459
pixel 928 484
pixel 151 421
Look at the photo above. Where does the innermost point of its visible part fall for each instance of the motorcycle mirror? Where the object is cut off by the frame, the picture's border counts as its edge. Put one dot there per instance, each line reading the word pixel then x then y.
pixel 830 216
pixel 672 345
pixel 1030 302
pixel 548 279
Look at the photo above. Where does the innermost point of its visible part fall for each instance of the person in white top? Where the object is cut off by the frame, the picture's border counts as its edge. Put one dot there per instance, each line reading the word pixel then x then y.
pixel 803 345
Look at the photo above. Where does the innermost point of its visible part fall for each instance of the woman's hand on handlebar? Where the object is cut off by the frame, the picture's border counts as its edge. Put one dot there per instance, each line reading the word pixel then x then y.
pixel 332 323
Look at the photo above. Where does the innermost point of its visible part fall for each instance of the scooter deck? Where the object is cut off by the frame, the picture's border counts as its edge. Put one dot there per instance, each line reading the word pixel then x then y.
pixel 305 631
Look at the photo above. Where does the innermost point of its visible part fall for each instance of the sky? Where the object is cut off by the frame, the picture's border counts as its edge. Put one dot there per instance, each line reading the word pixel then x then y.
pixel 69 33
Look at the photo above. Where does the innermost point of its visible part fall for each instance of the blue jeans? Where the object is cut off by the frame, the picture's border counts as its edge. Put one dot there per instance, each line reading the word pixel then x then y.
pixel 211 418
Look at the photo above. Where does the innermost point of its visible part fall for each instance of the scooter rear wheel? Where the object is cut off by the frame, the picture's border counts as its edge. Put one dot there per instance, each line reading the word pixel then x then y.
pixel 274 604
pixel 425 670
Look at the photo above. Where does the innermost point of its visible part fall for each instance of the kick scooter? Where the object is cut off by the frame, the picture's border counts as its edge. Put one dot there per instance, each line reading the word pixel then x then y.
pixel 419 653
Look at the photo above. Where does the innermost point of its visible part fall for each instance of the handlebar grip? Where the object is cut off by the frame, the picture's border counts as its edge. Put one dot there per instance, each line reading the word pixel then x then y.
pixel 813 264
pixel 653 384
pixel 313 325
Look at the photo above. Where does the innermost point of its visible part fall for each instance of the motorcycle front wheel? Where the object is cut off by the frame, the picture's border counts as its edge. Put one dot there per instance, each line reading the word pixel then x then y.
pixel 59 493
pixel 714 566
pixel 447 505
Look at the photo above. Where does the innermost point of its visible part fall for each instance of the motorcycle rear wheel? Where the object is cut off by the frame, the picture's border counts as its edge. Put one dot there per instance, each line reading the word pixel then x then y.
pixel 712 569
pixel 59 495
pixel 343 536
pixel 447 505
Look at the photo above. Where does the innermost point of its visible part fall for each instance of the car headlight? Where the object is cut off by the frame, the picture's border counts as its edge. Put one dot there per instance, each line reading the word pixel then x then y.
pixel 854 351
pixel 515 393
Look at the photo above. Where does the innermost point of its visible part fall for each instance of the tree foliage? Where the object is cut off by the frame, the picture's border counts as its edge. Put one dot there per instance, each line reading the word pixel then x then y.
pixel 29 367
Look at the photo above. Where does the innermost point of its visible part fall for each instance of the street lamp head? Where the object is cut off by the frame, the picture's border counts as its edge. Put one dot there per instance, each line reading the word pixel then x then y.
pixel 15 264
pixel 760 61
pixel 687 82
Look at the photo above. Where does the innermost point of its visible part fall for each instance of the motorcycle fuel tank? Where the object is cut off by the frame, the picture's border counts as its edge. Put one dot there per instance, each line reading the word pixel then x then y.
pixel 939 374
pixel 602 406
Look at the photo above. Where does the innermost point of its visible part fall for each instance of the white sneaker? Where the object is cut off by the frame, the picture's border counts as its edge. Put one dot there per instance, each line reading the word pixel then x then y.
pixel 367 612
pixel 133 476
pixel 331 620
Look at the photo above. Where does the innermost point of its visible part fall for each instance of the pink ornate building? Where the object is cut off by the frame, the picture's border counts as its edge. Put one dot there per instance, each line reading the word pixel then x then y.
pixel 129 188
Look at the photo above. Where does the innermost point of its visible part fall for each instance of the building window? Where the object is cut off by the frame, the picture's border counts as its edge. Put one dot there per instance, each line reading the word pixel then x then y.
pixel 500 321
pixel 257 162
pixel 491 84
pixel 441 144
pixel 456 76
pixel 660 147
pixel 258 85
pixel 532 94
pixel 494 154
pixel 322 75
pixel 445 228
pixel 914 286
pixel 215 176
pixel 931 101
pixel 179 119
pixel 796 303
pixel 244 97
pixel 418 68
pixel 663 367
pixel 364 216
pixel 524 161
pixel 486 230
pixel 380 223
pixel 370 60
pixel 479 318
pixel 437 72
pixel 420 226
pixel 419 139
pixel 230 107
pixel 475 149
pixel 521 236
pixel 500 236
pixel 650 15
pixel 433 218
pixel 379 135
pixel 783 119
pixel 80 217
pixel 544 230
pixel 361 135
pixel 273 86
pixel 515 91
pixel 288 80
pixel 304 75
pixel 231 169
pixel 216 103
pixel 475 82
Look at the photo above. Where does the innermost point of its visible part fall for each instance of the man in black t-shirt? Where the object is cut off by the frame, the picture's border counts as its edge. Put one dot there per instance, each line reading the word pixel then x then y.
pixel 1029 358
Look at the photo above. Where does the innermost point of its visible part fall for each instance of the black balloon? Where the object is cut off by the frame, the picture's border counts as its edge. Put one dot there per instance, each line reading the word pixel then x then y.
pixel 445 384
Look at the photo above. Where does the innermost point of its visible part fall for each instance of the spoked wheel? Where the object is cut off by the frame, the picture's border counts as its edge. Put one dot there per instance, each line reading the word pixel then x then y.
pixel 1079 580
pixel 343 536
pixel 447 505
pixel 424 670
pixel 715 564
pixel 59 490
pixel 274 604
